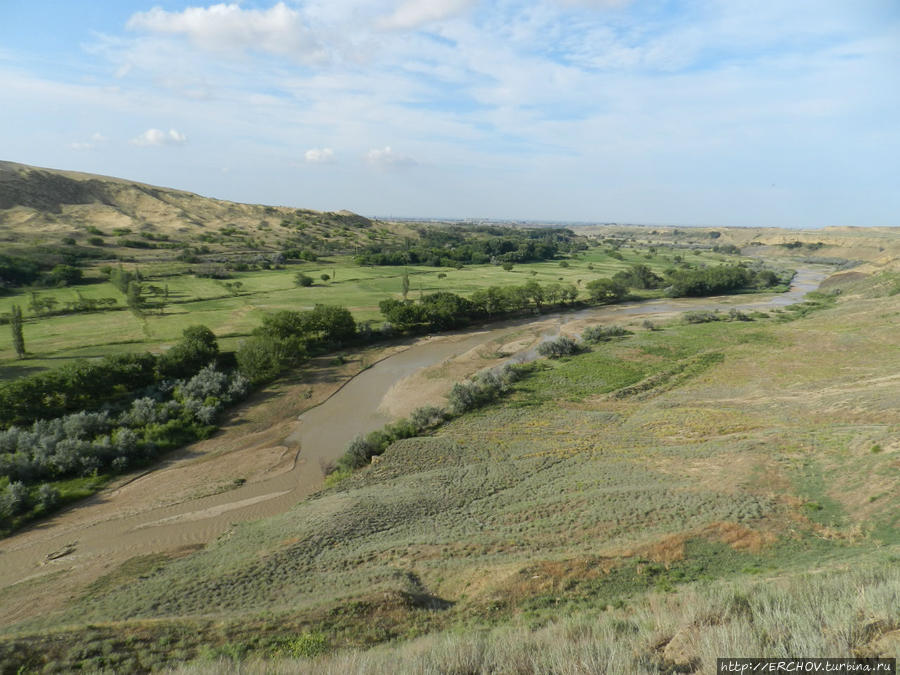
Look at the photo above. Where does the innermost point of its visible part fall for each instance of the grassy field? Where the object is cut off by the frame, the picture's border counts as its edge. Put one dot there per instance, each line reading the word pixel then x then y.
pixel 641 488
pixel 52 340
pixel 838 612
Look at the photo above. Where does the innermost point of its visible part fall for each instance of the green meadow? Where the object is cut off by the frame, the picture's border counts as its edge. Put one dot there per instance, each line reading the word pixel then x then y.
pixel 234 312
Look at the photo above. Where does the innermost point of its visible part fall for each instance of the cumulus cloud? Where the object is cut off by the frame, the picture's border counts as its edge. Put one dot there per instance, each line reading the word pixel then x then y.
pixel 319 155
pixel 415 13
pixel 386 158
pixel 228 27
pixel 156 137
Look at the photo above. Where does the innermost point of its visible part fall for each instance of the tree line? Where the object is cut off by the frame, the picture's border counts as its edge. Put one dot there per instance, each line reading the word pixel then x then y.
pixel 85 443
pixel 454 247
pixel 87 385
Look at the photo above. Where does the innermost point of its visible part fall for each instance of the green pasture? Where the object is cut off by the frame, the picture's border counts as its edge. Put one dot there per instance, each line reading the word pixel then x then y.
pixel 233 313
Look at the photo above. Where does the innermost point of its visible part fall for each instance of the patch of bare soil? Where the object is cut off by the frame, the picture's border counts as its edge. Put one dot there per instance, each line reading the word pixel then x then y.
pixel 429 386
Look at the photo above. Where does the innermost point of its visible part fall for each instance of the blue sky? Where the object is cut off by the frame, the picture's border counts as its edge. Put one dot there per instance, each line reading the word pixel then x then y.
pixel 711 112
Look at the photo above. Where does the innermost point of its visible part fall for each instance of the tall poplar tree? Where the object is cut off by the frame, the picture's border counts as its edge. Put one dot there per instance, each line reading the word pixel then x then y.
pixel 405 284
pixel 15 323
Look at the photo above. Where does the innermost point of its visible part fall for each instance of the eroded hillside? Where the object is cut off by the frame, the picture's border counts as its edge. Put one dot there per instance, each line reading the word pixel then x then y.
pixel 43 206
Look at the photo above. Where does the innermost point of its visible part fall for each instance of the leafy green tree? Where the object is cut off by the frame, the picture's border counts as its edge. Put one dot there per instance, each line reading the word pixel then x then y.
pixel 516 297
pixel 303 280
pixel 18 271
pixel 708 281
pixel 262 357
pixel 444 310
pixel 535 292
pixel 606 291
pixel 490 300
pixel 283 325
pixel 553 293
pixel 327 324
pixel 15 324
pixel 766 278
pixel 133 297
pixel 65 275
pixel 638 276
pixel 402 314
pixel 197 348
pixel 330 324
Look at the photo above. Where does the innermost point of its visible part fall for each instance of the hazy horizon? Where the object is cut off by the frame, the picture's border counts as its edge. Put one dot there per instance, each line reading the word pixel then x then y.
pixel 584 111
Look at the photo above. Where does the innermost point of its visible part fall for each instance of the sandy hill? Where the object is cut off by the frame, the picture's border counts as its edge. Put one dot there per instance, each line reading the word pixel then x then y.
pixel 39 205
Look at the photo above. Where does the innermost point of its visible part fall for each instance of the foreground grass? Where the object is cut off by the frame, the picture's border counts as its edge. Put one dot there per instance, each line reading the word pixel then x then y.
pixel 847 612
pixel 852 611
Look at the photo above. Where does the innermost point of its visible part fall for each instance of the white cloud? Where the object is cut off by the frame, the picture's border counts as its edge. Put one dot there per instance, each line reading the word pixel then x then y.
pixel 386 158
pixel 96 139
pixel 156 137
pixel 228 27
pixel 319 155
pixel 501 98
pixel 603 4
pixel 415 13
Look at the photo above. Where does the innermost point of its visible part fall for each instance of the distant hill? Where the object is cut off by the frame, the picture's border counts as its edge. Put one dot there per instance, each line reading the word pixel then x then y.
pixel 41 206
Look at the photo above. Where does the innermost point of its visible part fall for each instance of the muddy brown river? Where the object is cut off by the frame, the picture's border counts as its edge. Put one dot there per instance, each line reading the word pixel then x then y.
pixel 359 406
pixel 60 555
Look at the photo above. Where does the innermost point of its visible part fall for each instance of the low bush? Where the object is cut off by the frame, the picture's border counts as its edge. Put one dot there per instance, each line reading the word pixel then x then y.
pixel 481 390
pixel 596 334
pixel 738 315
pixel 86 443
pixel 465 396
pixel 701 316
pixel 561 346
